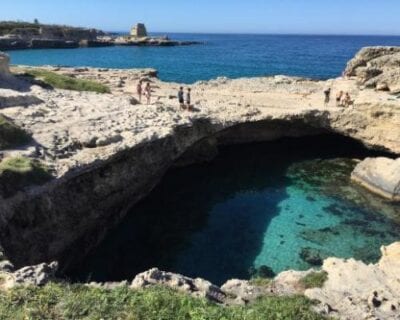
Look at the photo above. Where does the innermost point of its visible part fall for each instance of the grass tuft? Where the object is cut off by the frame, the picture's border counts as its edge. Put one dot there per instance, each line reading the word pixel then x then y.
pixel 314 280
pixel 19 172
pixel 64 301
pixel 65 82
pixel 11 135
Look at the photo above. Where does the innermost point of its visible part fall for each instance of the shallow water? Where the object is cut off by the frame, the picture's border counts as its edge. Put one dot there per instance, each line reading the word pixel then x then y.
pixel 233 56
pixel 282 204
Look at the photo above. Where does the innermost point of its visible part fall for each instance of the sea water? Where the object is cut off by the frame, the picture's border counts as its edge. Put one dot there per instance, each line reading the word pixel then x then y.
pixel 233 56
pixel 272 206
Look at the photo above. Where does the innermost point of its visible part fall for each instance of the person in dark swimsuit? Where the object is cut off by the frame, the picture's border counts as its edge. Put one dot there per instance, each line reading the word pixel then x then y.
pixel 181 99
pixel 188 99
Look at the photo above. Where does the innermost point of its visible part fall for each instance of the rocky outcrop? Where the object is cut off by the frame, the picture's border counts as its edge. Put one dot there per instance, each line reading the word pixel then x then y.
pixel 379 175
pixel 198 287
pixel 107 154
pixel 355 290
pixel 38 275
pixel 377 67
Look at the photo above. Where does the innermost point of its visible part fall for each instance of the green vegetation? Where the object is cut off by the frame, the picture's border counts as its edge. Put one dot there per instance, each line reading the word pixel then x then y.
pixel 19 172
pixel 11 135
pixel 63 301
pixel 314 280
pixel 260 282
pixel 7 27
pixel 65 82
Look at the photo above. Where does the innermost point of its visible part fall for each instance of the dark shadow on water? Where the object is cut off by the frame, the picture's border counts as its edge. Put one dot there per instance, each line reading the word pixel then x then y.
pixel 209 220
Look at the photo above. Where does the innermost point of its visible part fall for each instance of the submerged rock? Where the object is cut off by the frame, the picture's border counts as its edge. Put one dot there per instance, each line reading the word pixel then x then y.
pixel 379 175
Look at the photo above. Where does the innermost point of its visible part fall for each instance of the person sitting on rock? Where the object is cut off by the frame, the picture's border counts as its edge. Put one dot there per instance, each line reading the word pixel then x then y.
pixel 147 92
pixel 327 93
pixel 139 90
pixel 188 100
pixel 339 98
pixel 181 99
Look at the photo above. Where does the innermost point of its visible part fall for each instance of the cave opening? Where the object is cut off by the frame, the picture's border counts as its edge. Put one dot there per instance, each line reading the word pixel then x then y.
pixel 255 210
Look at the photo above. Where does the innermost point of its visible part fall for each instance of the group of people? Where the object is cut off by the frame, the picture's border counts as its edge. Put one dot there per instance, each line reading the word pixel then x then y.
pixel 146 91
pixel 184 101
pixel 185 104
pixel 343 99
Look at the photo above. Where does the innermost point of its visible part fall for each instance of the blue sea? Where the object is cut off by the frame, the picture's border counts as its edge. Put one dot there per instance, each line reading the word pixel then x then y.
pixel 318 57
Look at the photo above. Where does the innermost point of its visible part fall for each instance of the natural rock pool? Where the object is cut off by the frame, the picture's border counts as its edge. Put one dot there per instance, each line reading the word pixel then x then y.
pixel 256 208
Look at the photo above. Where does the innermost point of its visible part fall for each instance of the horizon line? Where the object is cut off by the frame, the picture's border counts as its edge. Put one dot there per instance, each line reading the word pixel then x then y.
pixel 270 33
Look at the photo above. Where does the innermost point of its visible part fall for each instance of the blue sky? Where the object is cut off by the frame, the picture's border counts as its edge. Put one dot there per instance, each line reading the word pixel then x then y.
pixel 219 16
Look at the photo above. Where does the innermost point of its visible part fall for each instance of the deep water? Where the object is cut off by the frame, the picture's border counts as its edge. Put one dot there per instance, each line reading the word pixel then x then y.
pixel 234 56
pixel 279 205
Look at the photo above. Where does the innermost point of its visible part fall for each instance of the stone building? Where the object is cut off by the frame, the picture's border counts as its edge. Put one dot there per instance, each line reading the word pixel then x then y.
pixel 139 31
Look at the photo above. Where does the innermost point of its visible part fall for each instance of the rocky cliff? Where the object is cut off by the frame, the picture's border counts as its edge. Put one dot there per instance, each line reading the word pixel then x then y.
pixel 106 152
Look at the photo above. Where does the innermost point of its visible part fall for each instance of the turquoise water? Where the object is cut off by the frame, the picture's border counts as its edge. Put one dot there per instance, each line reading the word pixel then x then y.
pixel 220 55
pixel 282 205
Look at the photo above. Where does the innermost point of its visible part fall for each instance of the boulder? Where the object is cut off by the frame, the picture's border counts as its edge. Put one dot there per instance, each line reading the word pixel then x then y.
pixel 38 275
pixel 196 287
pixel 377 67
pixel 379 175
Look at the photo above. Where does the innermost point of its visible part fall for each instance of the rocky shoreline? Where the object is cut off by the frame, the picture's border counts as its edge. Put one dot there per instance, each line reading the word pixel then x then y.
pixel 108 151
pixel 20 35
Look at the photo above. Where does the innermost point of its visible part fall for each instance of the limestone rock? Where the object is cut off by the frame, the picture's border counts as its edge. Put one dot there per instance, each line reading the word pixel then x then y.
pixel 379 175
pixel 37 275
pixel 6 266
pixel 377 67
pixel 195 287
pixel 241 291
pixel 355 290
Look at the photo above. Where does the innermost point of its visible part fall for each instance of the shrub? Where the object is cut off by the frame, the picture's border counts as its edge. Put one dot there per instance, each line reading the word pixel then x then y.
pixel 11 135
pixel 314 280
pixel 19 172
pixel 65 82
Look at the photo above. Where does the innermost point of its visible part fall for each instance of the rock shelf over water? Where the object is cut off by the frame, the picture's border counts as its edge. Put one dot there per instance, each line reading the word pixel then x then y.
pixel 108 151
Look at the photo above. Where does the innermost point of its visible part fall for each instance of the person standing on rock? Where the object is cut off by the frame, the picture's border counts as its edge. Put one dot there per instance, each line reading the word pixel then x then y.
pixel 327 93
pixel 181 99
pixel 339 98
pixel 139 90
pixel 147 92
pixel 188 99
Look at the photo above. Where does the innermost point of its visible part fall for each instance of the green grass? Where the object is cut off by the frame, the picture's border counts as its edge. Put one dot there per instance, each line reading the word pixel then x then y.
pixel 314 280
pixel 63 301
pixel 19 172
pixel 65 82
pixel 11 135
pixel 260 282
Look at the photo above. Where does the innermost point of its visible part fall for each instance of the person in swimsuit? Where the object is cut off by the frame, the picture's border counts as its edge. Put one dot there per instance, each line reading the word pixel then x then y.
pixel 339 99
pixel 147 92
pixel 139 90
pixel 188 99
pixel 181 99
pixel 327 93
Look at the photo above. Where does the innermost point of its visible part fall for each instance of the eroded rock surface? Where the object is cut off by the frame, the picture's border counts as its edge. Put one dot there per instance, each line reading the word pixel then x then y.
pixel 379 175
pixel 377 67
pixel 106 153
pixel 355 290
pixel 196 287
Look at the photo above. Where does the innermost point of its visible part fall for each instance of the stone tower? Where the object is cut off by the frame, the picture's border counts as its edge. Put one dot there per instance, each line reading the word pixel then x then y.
pixel 139 31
